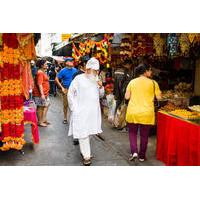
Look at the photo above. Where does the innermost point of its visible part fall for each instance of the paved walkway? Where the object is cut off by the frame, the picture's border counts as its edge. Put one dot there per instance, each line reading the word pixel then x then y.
pixel 56 148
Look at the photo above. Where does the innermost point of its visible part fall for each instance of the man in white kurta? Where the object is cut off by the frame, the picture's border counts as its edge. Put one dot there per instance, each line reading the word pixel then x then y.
pixel 83 97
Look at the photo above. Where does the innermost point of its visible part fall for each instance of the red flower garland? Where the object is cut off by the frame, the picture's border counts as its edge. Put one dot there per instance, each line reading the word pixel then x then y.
pixel 12 133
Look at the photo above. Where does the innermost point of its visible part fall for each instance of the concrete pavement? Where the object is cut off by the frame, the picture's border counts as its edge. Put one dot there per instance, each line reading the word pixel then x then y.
pixel 56 148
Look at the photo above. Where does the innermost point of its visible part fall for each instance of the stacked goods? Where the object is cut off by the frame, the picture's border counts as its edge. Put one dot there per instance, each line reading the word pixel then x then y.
pixel 195 108
pixel 168 94
pixel 183 87
pixel 169 107
pixel 185 114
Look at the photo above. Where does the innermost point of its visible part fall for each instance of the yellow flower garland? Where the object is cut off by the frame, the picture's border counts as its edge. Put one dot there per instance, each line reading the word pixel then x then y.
pixel 11 116
pixel 12 143
pixel 11 87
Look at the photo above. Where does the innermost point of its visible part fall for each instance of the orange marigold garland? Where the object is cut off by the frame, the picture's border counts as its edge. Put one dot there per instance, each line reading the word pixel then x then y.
pixel 11 114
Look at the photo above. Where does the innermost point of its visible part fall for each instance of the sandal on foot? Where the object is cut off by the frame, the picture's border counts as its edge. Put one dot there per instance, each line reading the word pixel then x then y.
pixel 42 125
pixel 64 121
pixel 87 162
pixel 47 123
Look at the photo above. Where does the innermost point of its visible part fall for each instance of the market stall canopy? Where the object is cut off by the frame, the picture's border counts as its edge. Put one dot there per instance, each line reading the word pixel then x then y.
pixel 65 48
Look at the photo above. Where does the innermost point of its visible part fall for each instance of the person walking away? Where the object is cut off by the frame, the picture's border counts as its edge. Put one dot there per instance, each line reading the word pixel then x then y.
pixel 52 76
pixel 41 93
pixel 121 76
pixel 140 115
pixel 66 75
pixel 84 102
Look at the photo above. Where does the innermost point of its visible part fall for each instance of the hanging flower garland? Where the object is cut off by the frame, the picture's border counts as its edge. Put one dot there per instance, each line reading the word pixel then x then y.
pixel 11 114
pixel 158 44
pixel 101 48
pixel 184 44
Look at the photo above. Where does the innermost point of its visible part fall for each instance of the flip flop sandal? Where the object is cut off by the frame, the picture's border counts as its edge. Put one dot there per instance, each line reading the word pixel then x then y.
pixel 87 162
pixel 42 125
pixel 47 123
pixel 65 121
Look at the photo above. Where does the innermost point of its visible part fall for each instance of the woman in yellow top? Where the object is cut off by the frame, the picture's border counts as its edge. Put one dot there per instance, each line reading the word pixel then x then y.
pixel 140 112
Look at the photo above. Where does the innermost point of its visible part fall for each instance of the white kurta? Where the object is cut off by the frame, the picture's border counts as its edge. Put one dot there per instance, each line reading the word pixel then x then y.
pixel 84 103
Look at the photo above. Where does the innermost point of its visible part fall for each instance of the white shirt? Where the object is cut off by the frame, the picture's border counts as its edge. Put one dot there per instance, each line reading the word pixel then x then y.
pixel 83 98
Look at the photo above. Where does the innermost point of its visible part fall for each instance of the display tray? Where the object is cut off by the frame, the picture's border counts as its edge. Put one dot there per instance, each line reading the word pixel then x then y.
pixel 193 109
pixel 193 121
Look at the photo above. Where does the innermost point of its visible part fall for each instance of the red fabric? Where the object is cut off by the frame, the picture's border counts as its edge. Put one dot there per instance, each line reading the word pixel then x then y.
pixel 30 117
pixel 178 141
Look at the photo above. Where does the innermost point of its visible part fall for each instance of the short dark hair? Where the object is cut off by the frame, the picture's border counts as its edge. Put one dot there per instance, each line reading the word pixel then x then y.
pixel 41 62
pixel 141 69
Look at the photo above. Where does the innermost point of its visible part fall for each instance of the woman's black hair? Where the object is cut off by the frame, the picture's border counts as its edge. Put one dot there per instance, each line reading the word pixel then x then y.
pixel 141 69
pixel 40 63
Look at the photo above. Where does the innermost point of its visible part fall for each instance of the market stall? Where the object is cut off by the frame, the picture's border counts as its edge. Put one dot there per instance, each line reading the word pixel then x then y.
pixel 16 82
pixel 178 139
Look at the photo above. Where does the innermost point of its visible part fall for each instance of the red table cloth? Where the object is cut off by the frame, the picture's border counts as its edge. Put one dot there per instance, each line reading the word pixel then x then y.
pixel 30 117
pixel 178 141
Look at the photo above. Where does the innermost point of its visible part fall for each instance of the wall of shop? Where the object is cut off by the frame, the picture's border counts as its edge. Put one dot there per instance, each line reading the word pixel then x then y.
pixel 197 79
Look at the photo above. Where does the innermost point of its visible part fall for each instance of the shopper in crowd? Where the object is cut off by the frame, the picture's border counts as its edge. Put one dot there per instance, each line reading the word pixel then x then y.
pixel 52 76
pixel 41 93
pixel 33 68
pixel 140 115
pixel 82 66
pixel 81 70
pixel 122 76
pixel 84 103
pixel 66 76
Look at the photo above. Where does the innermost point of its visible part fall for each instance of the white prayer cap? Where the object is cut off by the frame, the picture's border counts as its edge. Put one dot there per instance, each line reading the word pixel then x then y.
pixel 32 62
pixel 93 63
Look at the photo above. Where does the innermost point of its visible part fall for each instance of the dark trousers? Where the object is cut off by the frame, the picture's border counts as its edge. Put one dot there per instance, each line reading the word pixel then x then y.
pixel 144 134
pixel 52 87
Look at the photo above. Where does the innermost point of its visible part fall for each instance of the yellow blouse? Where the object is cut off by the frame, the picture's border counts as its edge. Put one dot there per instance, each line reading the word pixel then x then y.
pixel 141 104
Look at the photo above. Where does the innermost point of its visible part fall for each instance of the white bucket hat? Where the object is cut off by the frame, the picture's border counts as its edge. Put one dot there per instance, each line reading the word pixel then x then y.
pixel 93 63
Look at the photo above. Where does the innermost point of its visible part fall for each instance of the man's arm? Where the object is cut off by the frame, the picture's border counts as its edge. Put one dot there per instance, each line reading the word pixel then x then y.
pixel 60 85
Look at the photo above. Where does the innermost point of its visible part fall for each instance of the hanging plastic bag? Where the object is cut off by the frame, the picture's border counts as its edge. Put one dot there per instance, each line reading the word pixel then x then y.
pixel 120 116
pixel 111 102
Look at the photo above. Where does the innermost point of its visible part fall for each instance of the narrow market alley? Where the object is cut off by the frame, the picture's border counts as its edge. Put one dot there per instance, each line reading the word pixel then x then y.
pixel 57 149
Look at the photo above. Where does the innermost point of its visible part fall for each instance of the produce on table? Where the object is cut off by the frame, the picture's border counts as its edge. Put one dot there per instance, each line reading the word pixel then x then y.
pixel 169 107
pixel 195 108
pixel 183 113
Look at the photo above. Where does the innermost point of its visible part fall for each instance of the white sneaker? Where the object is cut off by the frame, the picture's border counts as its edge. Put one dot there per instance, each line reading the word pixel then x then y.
pixel 141 159
pixel 133 156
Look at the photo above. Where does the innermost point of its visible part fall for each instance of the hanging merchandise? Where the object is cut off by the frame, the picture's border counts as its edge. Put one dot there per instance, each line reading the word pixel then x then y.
pixel 11 114
pixel 172 44
pixel 75 53
pixel 191 37
pixel 126 47
pixel 158 44
pixel 184 44
pixel 27 53
pixel 142 45
pixel 197 38
pixel 101 50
